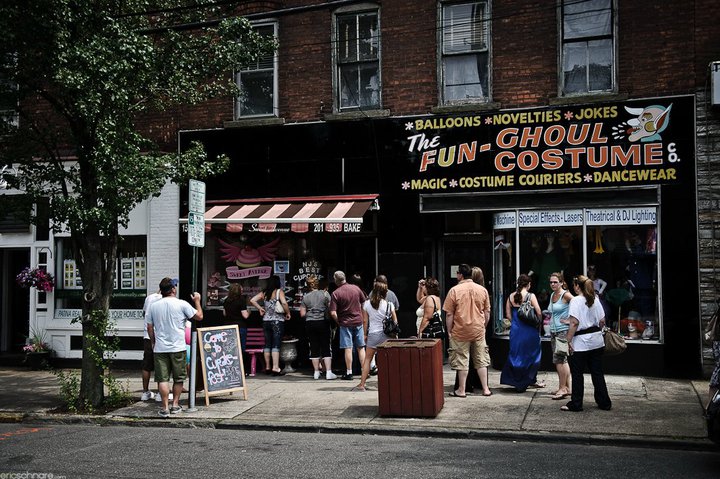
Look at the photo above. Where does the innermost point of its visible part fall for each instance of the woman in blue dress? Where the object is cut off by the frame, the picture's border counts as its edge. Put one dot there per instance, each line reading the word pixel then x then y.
pixel 521 367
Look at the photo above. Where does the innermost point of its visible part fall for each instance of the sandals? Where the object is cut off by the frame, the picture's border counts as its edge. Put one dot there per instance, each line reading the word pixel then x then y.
pixel 537 385
pixel 456 395
pixel 558 396
pixel 570 407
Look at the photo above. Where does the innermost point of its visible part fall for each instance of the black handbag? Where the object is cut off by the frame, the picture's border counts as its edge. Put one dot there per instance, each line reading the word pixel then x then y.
pixel 390 327
pixel 526 313
pixel 435 328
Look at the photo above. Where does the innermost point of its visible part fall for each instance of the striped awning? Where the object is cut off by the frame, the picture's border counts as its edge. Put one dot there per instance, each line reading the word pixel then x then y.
pixel 326 213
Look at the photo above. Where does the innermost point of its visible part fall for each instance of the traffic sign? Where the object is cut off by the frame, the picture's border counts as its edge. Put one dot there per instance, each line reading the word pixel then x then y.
pixel 196 214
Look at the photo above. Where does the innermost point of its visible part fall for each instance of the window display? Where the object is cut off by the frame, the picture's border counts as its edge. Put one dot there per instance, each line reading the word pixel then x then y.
pixel 615 247
pixel 250 259
pixel 129 287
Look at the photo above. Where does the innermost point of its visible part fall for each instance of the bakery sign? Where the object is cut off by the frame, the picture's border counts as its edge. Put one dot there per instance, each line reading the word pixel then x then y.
pixel 636 142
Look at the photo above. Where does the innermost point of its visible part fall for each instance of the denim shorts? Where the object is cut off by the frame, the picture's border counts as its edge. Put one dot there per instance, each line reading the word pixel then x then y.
pixel 352 335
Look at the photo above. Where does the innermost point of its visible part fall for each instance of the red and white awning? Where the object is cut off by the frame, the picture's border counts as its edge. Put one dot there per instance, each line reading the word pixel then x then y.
pixel 325 213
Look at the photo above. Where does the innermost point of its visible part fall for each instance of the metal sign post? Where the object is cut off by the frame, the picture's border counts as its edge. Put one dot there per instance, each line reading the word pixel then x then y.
pixel 196 239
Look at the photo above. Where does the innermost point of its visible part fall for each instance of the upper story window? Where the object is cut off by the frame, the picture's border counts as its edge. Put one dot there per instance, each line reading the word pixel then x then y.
pixel 357 58
pixel 465 59
pixel 8 94
pixel 258 82
pixel 588 50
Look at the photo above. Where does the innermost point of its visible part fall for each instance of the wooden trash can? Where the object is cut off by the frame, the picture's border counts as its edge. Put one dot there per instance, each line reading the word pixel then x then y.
pixel 410 377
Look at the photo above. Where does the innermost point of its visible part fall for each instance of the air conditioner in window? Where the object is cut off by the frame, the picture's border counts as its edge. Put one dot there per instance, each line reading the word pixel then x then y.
pixel 715 83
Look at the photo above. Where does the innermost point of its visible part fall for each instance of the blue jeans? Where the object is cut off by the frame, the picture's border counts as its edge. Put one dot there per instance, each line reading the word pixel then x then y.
pixel 592 359
pixel 243 338
pixel 273 335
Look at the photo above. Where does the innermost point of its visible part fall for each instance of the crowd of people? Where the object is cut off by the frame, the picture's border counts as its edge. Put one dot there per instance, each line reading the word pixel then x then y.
pixel 359 320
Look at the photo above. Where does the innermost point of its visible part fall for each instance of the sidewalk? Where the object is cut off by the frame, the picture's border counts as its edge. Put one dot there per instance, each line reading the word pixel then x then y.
pixel 646 411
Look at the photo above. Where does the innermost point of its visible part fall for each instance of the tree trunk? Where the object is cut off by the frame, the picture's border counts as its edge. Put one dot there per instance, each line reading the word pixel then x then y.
pixel 96 255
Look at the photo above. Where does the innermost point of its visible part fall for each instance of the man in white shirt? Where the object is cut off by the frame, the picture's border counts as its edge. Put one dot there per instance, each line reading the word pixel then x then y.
pixel 165 322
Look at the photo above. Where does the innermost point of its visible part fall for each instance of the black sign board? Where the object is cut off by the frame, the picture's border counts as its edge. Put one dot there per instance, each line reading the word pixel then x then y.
pixel 222 365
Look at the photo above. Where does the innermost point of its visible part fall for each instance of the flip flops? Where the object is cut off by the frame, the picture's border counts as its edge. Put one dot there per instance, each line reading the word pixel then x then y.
pixel 570 407
pixel 557 396
pixel 455 395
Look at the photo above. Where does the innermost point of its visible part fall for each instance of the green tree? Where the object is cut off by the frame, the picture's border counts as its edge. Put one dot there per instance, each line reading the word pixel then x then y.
pixel 83 73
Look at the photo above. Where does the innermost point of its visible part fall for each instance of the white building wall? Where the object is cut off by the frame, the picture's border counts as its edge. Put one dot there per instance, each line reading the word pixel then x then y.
pixel 163 237
pixel 157 218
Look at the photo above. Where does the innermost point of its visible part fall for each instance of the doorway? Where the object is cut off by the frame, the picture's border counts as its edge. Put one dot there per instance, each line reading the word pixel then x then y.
pixel 14 301
pixel 475 250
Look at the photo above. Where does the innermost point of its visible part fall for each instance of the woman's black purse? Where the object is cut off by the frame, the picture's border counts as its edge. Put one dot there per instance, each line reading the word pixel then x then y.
pixel 435 328
pixel 390 327
pixel 526 313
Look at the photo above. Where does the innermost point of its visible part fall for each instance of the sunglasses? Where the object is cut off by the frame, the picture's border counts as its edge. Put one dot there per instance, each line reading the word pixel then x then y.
pixel 554 282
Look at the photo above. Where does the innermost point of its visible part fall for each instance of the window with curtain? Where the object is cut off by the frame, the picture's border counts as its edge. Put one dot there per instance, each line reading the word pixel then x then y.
pixel 257 82
pixel 358 60
pixel 588 56
pixel 465 62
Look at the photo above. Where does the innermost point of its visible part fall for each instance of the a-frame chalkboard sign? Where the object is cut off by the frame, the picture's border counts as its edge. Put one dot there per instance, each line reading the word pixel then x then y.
pixel 222 364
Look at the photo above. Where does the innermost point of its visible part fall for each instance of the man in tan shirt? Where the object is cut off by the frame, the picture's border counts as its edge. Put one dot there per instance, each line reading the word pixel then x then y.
pixel 467 311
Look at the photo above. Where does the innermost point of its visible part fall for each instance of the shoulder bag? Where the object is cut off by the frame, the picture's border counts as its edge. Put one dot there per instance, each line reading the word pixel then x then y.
pixel 435 329
pixel 526 313
pixel 390 327
pixel 614 343
pixel 278 305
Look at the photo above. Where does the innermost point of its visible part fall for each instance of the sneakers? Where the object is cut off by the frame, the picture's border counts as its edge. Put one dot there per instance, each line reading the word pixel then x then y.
pixel 316 375
pixel 147 395
pixel 347 377
pixel 164 412
pixel 176 409
pixel 373 371
pixel 330 375
pixel 158 397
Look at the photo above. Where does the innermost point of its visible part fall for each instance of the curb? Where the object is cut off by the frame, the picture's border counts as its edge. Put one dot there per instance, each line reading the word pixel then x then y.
pixel 652 442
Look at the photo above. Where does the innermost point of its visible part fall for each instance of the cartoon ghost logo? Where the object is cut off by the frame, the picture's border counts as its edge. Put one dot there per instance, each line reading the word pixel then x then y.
pixel 648 123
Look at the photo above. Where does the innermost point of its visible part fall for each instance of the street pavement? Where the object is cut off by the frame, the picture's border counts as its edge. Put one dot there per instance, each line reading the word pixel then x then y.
pixel 650 412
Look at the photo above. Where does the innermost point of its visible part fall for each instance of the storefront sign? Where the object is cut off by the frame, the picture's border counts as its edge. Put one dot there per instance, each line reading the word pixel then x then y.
pixel 115 314
pixel 262 272
pixel 550 218
pixel 593 217
pixel 630 143
pixel 621 216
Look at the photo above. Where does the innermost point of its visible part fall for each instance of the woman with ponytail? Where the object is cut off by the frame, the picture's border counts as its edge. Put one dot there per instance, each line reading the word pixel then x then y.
pixel 521 367
pixel 586 345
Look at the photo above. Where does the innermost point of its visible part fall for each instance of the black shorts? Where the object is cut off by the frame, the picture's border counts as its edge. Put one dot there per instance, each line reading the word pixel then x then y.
pixel 148 362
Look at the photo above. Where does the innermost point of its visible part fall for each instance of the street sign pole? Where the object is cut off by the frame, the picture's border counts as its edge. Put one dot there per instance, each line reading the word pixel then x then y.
pixel 196 239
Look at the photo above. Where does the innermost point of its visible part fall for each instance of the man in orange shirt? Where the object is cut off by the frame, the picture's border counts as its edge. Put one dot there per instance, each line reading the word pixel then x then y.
pixel 467 312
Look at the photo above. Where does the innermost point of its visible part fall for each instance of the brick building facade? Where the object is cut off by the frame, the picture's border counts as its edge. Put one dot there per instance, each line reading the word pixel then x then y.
pixel 313 140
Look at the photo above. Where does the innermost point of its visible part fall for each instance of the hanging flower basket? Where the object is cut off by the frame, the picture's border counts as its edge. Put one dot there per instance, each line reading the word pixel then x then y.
pixel 36 277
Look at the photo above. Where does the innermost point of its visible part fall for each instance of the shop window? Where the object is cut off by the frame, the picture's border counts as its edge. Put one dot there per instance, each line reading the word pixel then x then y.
pixel 616 248
pixel 357 60
pixel 258 81
pixel 465 58
pixel 588 47
pixel 130 283
pixel 250 259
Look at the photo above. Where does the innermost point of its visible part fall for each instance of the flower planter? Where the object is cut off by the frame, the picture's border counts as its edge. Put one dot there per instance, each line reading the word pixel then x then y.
pixel 39 360
pixel 288 353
